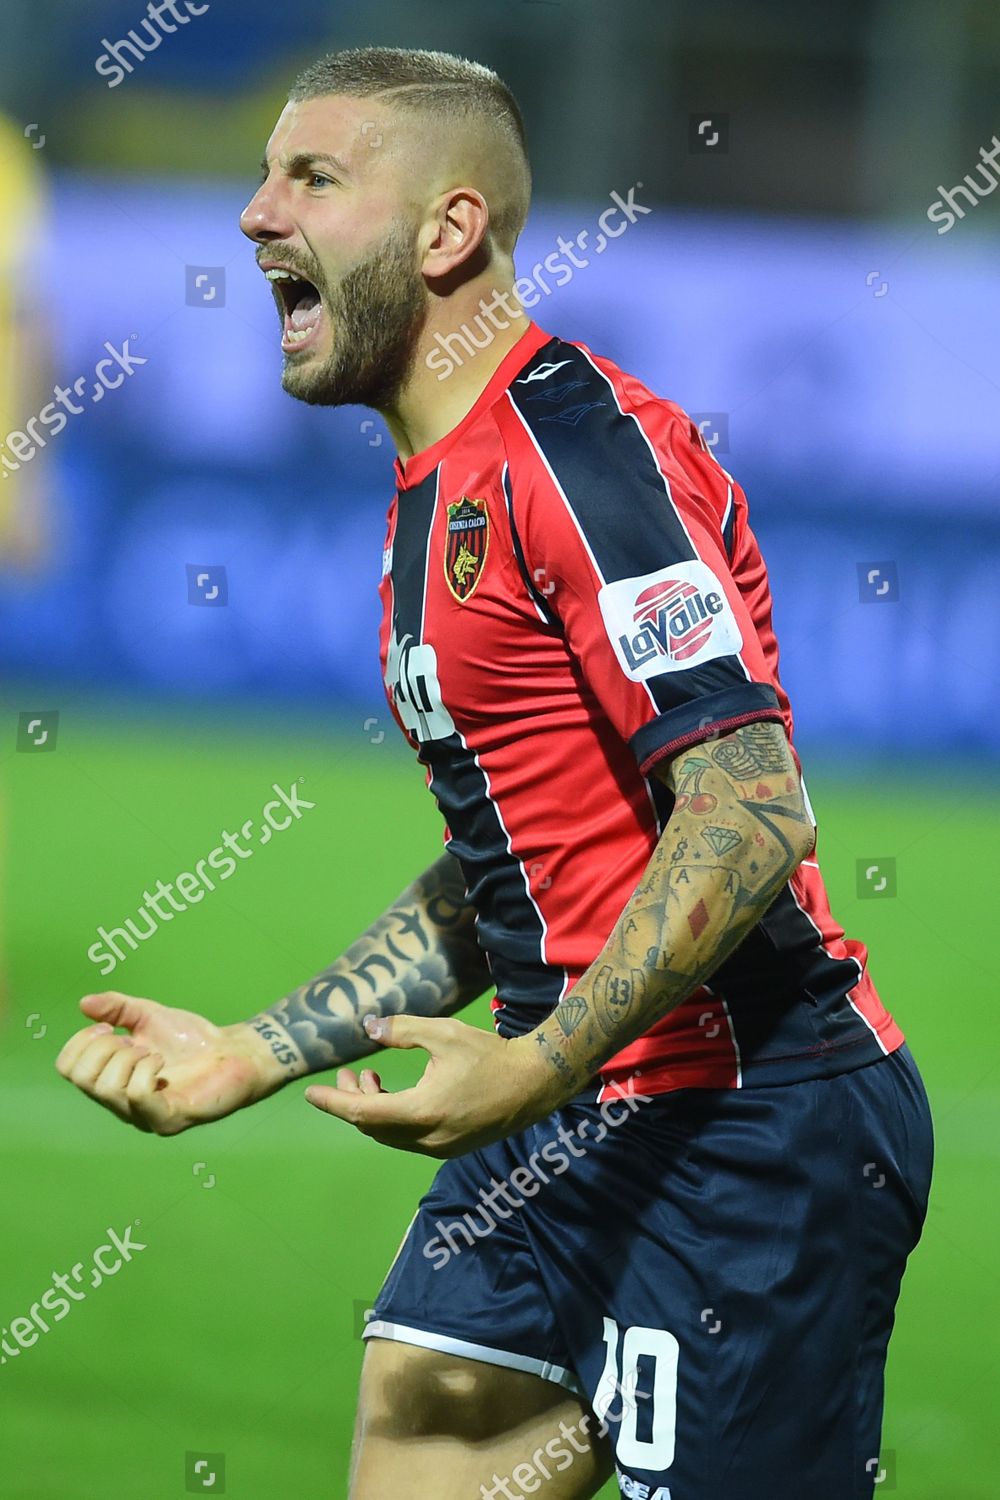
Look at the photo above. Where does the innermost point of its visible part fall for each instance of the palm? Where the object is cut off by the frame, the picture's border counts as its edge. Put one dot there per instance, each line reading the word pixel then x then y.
pixel 204 1078
pixel 169 1069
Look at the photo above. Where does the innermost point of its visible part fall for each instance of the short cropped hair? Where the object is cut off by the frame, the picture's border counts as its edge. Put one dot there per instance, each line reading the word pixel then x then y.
pixel 440 84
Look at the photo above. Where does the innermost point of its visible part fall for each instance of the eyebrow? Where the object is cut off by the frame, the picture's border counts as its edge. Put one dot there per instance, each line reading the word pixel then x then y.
pixel 302 160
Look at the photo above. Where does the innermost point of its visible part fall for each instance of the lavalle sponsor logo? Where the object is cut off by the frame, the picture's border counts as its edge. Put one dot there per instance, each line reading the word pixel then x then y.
pixel 666 621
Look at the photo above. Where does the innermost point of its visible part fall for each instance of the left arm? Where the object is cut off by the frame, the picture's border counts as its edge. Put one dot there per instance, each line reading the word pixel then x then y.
pixel 738 830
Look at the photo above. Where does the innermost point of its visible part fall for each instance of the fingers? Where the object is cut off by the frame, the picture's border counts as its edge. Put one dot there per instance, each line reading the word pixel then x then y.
pixel 91 1058
pixel 143 1093
pixel 349 1082
pixel 77 1045
pixel 116 1008
pixel 110 1084
pixel 118 1073
pixel 372 1113
pixel 343 1102
pixel 433 1033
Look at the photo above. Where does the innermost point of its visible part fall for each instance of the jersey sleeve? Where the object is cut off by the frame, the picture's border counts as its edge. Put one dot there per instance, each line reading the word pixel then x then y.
pixel 625 545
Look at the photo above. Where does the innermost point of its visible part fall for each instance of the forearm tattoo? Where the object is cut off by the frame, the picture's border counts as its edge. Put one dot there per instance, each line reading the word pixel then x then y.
pixel 421 956
pixel 738 829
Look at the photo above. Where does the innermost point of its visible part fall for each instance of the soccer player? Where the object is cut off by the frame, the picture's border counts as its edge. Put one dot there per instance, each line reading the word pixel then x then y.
pixel 683 1176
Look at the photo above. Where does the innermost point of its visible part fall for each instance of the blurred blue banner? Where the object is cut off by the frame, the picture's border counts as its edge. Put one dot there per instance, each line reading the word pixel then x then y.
pixel 846 375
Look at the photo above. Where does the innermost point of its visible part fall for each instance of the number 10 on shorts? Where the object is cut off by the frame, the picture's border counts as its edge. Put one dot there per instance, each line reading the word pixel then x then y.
pixel 656 1347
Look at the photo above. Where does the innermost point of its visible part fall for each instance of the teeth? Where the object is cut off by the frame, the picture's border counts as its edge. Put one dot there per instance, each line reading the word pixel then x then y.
pixel 277 274
pixel 296 335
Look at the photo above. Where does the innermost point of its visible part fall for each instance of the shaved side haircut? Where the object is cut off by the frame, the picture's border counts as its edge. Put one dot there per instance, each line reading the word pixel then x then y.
pixel 444 89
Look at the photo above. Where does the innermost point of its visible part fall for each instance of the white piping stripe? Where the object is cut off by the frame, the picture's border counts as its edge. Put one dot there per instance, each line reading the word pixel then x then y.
pixel 510 849
pixel 559 489
pixel 726 513
pixel 657 820
pixel 736 1045
pixel 856 1009
pixel 737 1055
pixel 593 562
pixel 480 767
pixel 463 1349
pixel 427 554
pixel 423 602
pixel 576 522
pixel 509 499
pixel 666 482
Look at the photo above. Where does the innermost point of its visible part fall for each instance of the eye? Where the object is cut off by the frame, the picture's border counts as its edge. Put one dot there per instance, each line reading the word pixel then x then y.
pixel 319 179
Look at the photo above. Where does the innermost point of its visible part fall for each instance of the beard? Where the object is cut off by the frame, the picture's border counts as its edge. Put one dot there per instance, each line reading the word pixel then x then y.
pixel 376 315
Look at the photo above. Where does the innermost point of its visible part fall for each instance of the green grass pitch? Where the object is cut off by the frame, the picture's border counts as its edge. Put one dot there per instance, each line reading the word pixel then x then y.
pixel 235 1330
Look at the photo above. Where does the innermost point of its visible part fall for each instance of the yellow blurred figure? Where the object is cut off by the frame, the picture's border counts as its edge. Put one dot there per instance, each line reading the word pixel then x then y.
pixel 23 342
pixel 23 370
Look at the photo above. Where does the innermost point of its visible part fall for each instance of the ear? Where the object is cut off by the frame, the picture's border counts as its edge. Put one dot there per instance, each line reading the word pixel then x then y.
pixel 457 228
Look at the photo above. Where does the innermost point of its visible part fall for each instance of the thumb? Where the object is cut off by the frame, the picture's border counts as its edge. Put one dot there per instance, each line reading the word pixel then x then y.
pixel 430 1032
pixel 117 1009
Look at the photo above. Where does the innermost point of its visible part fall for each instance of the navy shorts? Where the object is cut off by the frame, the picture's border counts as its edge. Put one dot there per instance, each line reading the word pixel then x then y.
pixel 714 1272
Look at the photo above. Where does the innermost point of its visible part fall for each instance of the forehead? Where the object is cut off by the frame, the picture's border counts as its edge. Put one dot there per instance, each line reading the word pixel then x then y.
pixel 336 124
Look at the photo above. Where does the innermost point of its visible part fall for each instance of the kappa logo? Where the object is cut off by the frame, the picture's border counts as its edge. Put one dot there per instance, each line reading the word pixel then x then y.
pixel 667 621
pixel 543 372
pixel 554 393
pixel 572 416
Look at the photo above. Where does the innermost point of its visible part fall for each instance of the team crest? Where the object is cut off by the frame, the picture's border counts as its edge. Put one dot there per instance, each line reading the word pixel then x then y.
pixel 468 537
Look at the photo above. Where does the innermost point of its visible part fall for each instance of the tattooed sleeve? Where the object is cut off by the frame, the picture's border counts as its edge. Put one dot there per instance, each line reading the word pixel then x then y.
pixel 738 829
pixel 421 956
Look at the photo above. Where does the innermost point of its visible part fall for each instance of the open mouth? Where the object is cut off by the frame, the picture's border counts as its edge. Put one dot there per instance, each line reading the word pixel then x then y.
pixel 300 307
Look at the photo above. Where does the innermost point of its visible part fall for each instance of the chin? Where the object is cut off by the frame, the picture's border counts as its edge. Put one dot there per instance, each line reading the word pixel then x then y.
pixel 305 381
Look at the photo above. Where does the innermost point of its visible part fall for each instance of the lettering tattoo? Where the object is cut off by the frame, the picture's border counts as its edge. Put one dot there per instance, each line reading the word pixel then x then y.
pixel 560 1063
pixel 738 829
pixel 278 1038
pixel 421 956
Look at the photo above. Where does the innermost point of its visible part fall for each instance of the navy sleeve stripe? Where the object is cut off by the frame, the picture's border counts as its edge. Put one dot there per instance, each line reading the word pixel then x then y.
pixel 581 433
pixel 700 719
pixel 537 597
pixel 729 525
pixel 567 425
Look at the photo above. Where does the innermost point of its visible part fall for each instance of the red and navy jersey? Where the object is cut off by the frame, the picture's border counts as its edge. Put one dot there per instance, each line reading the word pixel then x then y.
pixel 572 594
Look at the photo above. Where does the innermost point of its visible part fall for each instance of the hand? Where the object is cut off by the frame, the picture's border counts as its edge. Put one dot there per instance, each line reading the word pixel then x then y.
pixel 172 1070
pixel 476 1088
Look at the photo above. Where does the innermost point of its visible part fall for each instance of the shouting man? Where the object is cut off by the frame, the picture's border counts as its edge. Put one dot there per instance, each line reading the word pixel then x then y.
pixel 684 1271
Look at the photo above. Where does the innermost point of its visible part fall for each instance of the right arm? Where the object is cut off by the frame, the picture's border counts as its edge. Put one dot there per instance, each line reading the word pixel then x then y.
pixel 421 957
pixel 174 1068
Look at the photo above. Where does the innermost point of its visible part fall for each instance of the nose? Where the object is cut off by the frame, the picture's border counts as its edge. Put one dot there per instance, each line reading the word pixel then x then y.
pixel 263 219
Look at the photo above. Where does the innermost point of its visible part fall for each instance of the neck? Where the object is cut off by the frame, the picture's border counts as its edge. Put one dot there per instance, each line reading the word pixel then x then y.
pixel 466 336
